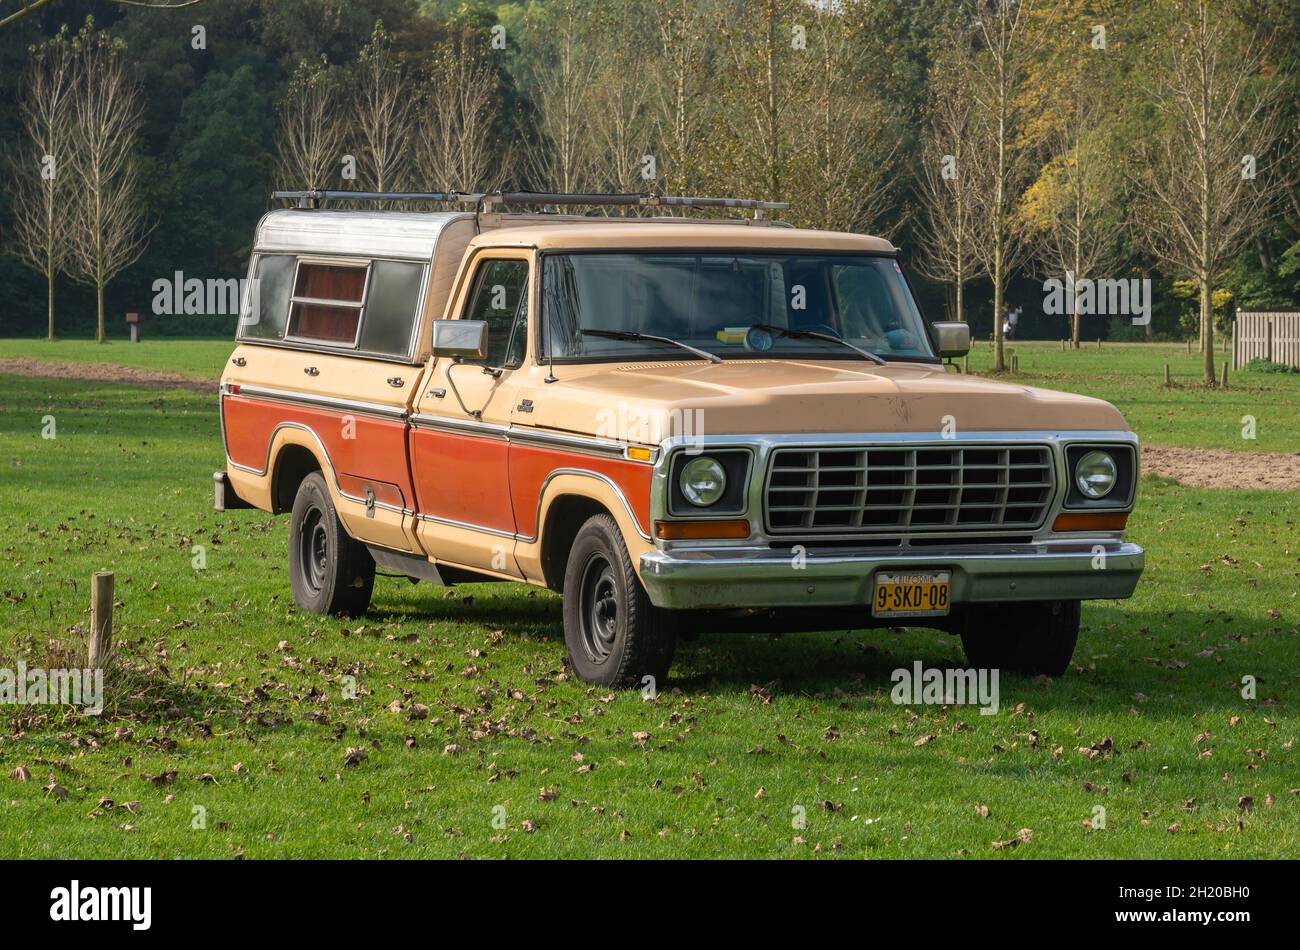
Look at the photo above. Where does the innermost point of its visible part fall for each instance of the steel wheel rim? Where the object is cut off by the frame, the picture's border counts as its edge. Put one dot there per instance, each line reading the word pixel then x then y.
pixel 599 600
pixel 313 549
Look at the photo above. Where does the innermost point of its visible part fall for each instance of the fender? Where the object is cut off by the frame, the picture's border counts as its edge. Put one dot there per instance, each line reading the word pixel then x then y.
pixel 584 484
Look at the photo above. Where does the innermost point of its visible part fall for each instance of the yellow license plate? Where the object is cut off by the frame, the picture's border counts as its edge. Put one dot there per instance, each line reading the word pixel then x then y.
pixel 923 594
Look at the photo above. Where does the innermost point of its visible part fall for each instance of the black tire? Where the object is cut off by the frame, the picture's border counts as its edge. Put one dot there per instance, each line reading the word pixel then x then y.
pixel 330 572
pixel 615 635
pixel 1036 639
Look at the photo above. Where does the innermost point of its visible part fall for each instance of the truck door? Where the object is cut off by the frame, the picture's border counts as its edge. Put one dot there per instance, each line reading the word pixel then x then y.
pixel 458 438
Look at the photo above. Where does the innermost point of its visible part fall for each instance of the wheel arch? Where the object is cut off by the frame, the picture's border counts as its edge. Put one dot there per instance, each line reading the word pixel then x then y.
pixel 568 500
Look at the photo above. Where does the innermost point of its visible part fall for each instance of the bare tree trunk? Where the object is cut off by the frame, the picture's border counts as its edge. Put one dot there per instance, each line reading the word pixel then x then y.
pixel 108 230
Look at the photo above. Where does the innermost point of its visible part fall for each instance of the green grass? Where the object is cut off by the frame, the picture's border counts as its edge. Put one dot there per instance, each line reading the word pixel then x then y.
pixel 1187 413
pixel 203 359
pixel 220 669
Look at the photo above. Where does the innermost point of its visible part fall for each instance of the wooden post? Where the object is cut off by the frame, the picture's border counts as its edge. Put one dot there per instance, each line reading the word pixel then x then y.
pixel 1015 363
pixel 965 364
pixel 1062 346
pixel 1225 374
pixel 1099 343
pixel 101 618
pixel 1189 346
pixel 1167 380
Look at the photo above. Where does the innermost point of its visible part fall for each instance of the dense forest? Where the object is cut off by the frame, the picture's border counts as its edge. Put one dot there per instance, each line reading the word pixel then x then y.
pixel 1000 143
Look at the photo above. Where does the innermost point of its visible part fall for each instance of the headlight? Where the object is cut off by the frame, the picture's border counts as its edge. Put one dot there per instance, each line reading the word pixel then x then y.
pixel 703 481
pixel 1095 474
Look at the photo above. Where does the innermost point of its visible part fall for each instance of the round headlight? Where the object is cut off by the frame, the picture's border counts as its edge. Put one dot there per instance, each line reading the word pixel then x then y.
pixel 1095 474
pixel 703 481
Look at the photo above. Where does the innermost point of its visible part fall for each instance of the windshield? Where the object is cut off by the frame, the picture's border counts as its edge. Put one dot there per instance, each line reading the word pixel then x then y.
pixel 730 305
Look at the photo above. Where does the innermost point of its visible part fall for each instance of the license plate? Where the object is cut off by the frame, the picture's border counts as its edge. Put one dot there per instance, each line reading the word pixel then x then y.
pixel 922 594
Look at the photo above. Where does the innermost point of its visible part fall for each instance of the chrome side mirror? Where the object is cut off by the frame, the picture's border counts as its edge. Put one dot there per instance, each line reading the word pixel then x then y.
pixel 463 339
pixel 953 339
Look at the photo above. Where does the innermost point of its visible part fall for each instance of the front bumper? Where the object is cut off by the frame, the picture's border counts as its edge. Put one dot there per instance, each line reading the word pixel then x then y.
pixel 718 578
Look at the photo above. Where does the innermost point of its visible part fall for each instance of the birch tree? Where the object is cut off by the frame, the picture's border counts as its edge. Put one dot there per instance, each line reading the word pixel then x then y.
pixel 1000 164
pixel 946 226
pixel 846 171
pixel 311 135
pixel 1212 170
pixel 561 160
pixel 108 230
pixel 42 173
pixel 384 115
pixel 455 149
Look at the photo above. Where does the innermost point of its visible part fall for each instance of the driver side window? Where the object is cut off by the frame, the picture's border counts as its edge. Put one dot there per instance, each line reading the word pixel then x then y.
pixel 500 298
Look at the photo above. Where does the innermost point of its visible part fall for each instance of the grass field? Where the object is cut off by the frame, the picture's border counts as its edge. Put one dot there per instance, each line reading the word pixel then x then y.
pixel 228 704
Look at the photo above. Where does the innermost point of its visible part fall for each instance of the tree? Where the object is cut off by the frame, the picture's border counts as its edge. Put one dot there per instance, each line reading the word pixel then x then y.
pixel 1210 173
pixel 620 115
pixel 43 173
pixel 563 73
pixel 383 114
pixel 1001 164
pixel 1072 210
pixel 946 229
pixel 311 135
pixel 761 65
pixel 108 230
pixel 844 179
pixel 455 150
pixel 679 101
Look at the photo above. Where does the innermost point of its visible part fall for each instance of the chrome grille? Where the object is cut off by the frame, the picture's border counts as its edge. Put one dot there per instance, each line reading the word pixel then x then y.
pixel 872 489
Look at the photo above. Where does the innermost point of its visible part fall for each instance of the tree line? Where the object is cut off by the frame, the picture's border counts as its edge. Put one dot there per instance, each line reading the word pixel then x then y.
pixel 1000 142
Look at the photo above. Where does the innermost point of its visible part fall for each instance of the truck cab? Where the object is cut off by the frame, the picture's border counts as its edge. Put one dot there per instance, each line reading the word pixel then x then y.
pixel 682 425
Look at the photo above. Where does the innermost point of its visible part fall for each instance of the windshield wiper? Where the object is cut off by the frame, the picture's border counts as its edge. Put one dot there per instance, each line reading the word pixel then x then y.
pixel 814 335
pixel 648 338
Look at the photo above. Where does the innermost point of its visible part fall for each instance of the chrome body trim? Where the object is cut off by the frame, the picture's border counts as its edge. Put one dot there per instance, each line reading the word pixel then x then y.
pixel 317 400
pixel 721 578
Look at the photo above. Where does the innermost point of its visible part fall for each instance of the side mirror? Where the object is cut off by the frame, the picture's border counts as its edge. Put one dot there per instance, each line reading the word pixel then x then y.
pixel 953 339
pixel 466 339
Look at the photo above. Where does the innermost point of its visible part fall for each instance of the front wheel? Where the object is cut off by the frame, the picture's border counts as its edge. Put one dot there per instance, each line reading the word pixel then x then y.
pixel 615 635
pixel 1036 639
pixel 330 572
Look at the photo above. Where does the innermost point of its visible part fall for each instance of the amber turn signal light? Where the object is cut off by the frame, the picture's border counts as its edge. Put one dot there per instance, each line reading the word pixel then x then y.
pixel 1084 521
pixel 700 530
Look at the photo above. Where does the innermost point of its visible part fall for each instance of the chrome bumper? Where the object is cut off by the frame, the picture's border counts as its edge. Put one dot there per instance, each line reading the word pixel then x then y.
pixel 718 578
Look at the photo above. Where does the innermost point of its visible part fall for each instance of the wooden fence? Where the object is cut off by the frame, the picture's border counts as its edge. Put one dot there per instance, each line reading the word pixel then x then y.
pixel 1273 335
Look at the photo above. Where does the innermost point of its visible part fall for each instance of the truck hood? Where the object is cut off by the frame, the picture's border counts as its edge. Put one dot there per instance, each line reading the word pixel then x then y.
pixel 647 402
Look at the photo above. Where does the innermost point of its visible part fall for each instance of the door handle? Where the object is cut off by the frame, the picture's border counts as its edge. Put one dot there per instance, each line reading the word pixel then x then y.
pixel 312 371
pixel 437 393
pixel 395 381
pixel 239 361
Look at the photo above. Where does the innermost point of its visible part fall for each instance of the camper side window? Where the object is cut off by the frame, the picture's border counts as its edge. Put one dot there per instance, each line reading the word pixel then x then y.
pixel 368 306
pixel 266 299
pixel 327 301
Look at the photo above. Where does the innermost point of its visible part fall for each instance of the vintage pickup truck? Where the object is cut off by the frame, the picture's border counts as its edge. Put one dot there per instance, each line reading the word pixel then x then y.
pixel 682 425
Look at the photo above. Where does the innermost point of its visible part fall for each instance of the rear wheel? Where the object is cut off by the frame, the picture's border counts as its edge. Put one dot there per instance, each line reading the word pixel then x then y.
pixel 1031 638
pixel 330 572
pixel 614 634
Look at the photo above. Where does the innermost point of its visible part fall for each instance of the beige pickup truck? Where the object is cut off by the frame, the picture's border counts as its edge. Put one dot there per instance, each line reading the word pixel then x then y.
pixel 682 425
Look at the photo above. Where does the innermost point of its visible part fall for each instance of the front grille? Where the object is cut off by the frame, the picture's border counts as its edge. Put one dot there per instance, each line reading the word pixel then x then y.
pixel 879 489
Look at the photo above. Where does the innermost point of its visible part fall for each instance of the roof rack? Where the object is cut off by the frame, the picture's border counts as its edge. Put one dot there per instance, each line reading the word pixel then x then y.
pixel 486 201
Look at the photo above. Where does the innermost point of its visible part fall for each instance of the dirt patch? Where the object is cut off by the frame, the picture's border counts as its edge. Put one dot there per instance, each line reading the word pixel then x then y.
pixel 104 373
pixel 1221 468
